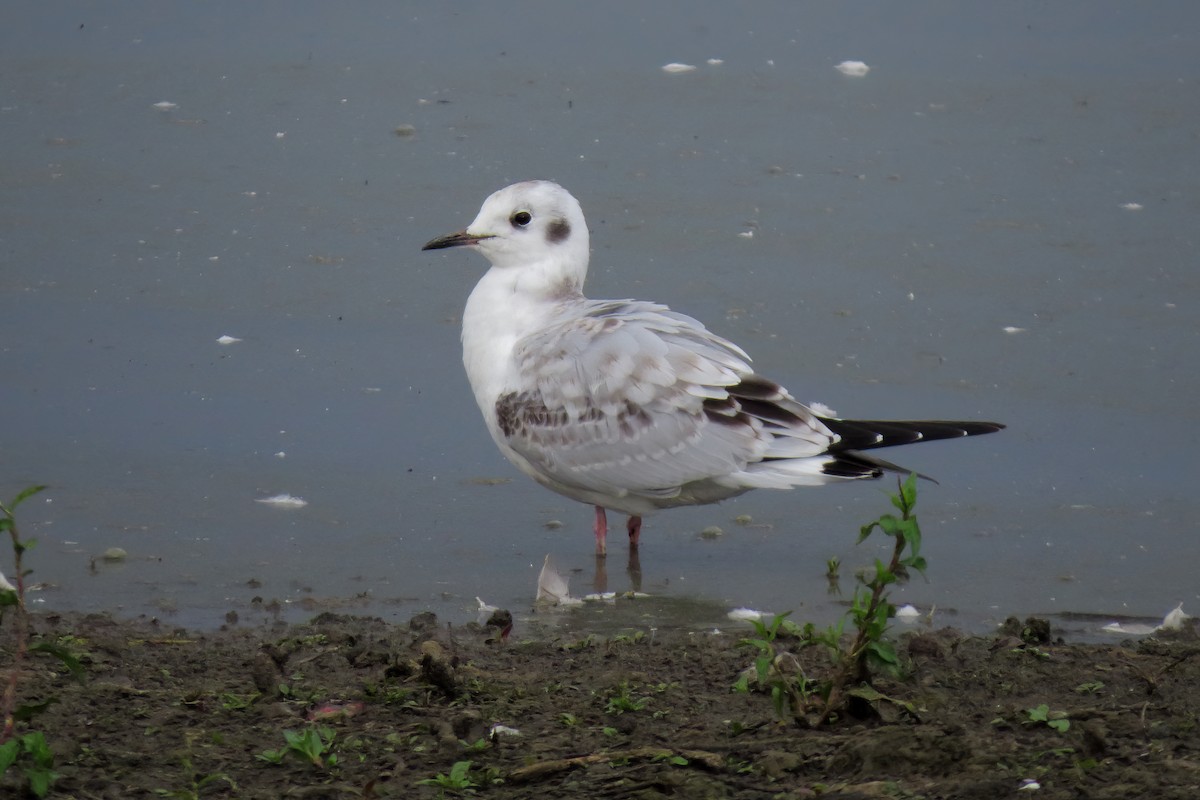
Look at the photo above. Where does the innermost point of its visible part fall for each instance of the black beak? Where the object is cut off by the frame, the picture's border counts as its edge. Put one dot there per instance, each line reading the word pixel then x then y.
pixel 453 240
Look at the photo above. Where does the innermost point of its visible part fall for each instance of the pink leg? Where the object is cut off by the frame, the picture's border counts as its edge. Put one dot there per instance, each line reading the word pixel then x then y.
pixel 601 530
pixel 634 526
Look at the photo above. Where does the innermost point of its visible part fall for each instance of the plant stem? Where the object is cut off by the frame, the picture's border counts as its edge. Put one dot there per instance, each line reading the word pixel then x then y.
pixel 853 670
pixel 858 652
pixel 20 636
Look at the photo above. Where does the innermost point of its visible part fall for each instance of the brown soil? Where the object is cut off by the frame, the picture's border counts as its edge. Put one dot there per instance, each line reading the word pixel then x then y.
pixel 175 713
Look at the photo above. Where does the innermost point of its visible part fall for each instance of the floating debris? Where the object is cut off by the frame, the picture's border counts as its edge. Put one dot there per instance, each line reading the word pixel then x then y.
pixel 227 339
pixel 908 613
pixel 855 69
pixel 485 481
pixel 485 611
pixel 115 554
pixel 1012 329
pixel 165 105
pixel 745 615
pixel 283 501
pixel 405 131
pixel 498 730
pixel 1173 621
pixel 712 532
pixel 552 588
pixel 715 62
pixel 675 67
pixel 1132 206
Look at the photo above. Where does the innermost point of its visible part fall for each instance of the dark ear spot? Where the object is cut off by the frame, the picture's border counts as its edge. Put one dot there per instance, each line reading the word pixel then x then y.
pixel 557 231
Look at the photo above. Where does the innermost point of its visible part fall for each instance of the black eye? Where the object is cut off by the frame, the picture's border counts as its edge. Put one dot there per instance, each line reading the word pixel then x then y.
pixel 521 219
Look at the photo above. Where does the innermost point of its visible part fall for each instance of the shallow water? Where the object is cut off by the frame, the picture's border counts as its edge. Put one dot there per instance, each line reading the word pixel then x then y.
pixel 975 180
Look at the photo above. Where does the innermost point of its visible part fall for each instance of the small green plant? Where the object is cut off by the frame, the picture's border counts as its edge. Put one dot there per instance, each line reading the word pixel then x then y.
pixel 868 651
pixel 26 751
pixel 623 701
pixel 238 702
pixel 457 781
pixel 582 644
pixel 312 744
pixel 833 576
pixel 629 638
pixel 778 672
pixel 1042 715
pixel 568 719
pixel 197 783
pixel 33 757
pixel 870 610
pixel 668 757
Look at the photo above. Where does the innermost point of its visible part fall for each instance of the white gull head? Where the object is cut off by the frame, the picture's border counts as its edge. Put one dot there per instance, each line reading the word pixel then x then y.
pixel 534 230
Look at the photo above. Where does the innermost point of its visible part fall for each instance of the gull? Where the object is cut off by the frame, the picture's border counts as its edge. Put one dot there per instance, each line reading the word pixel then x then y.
pixel 627 405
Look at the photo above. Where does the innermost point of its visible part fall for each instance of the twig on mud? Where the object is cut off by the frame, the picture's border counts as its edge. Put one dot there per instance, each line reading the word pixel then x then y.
pixel 544 769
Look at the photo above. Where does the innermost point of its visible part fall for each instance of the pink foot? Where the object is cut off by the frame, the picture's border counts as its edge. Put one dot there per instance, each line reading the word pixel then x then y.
pixel 601 530
pixel 634 526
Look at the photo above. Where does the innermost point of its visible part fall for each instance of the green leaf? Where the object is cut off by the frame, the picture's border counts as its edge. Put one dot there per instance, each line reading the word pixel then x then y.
pixel 40 780
pixel 30 710
pixel 35 745
pixel 8 754
pixel 872 695
pixel 908 492
pixel 25 494
pixel 884 651
pixel 62 654
pixel 889 524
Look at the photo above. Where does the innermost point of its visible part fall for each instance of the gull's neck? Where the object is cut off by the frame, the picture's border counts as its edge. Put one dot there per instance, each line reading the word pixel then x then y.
pixel 506 305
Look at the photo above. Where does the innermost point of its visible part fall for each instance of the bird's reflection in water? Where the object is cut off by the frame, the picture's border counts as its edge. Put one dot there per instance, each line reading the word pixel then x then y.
pixel 633 570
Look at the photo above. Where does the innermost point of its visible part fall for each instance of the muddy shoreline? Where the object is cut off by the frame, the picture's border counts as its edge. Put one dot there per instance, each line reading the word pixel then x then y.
pixel 166 712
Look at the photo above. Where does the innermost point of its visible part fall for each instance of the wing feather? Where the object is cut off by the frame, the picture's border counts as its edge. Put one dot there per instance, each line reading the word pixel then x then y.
pixel 618 399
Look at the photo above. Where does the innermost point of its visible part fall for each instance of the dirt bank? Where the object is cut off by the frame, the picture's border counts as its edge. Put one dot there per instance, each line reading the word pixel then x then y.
pixel 381 708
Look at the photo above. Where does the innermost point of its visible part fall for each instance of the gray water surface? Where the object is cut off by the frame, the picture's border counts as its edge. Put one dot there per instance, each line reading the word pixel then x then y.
pixel 978 179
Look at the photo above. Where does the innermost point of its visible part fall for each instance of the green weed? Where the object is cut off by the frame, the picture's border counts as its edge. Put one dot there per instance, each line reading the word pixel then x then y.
pixel 27 751
pixel 458 781
pixel 868 652
pixel 312 745
pixel 624 702
pixel 1042 715
pixel 33 757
